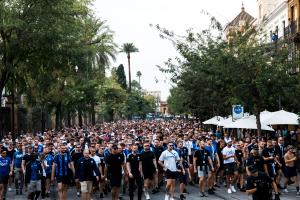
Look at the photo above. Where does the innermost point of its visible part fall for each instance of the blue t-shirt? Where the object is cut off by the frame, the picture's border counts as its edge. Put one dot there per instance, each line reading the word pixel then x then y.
pixel 34 171
pixel 212 151
pixel 40 148
pixel 18 156
pixel 5 166
pixel 62 161
pixel 49 159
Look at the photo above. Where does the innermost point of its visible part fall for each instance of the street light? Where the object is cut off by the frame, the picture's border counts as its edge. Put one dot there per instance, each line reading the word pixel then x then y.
pixel 76 68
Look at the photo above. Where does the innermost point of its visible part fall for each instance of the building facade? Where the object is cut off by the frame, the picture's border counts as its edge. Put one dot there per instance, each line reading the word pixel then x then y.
pixel 239 24
pixel 272 19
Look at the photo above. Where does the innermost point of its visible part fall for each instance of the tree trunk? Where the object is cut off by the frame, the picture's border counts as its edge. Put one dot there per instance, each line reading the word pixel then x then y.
pixel 93 113
pixel 129 72
pixel 69 119
pixel 79 117
pixel 58 119
pixel 43 120
pixel 257 115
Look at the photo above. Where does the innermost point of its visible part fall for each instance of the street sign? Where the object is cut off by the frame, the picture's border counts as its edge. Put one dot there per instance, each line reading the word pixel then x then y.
pixel 237 112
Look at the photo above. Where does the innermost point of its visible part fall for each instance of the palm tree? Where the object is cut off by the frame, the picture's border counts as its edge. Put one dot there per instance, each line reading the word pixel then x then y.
pixel 129 48
pixel 139 74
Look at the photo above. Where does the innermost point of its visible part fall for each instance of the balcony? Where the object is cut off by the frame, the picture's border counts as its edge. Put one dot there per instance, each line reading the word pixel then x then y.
pixel 292 31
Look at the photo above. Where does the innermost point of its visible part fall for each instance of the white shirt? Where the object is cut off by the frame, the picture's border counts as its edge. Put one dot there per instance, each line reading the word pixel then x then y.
pixel 169 159
pixel 188 144
pixel 228 151
pixel 97 161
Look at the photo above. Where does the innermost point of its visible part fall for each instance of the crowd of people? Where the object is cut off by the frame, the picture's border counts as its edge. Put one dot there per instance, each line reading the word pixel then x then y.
pixel 145 158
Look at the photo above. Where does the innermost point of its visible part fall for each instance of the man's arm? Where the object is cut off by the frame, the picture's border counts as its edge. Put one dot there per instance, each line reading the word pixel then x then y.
pixel 23 166
pixel 53 171
pixel 211 164
pixel 251 191
pixel 71 166
pixel 218 160
pixel 287 161
pixel 141 168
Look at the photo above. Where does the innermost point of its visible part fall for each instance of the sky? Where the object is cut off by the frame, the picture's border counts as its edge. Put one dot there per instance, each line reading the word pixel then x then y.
pixel 131 19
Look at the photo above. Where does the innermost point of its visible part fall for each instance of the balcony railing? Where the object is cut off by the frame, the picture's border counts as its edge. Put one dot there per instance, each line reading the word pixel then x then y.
pixel 292 29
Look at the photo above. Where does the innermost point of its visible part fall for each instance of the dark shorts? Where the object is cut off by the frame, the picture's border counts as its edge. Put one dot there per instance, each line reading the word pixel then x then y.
pixel 171 175
pixel 191 159
pixel 271 171
pixel 290 172
pixel 4 179
pixel 229 168
pixel 149 173
pixel 64 180
pixel 182 178
pixel 48 176
pixel 115 181
pixel 95 182
pixel 240 169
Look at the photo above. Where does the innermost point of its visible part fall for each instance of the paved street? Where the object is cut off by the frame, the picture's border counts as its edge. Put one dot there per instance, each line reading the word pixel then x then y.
pixel 221 194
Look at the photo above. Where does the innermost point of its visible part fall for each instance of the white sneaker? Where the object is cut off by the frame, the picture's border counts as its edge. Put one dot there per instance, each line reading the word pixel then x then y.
pixel 285 190
pixel 232 188
pixel 229 191
pixel 9 189
pixel 172 198
pixel 167 197
pixel 147 196
pixel 298 192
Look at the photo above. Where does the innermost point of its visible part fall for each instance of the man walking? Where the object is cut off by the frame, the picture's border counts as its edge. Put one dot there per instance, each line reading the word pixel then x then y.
pixel 134 170
pixel 62 161
pixel 168 160
pixel 86 169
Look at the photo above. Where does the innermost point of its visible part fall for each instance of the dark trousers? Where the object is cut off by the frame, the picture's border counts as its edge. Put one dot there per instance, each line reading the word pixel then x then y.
pixel 138 181
pixel 43 184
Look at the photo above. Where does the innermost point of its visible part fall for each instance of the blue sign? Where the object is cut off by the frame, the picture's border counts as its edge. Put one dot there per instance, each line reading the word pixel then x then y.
pixel 237 112
pixel 238 109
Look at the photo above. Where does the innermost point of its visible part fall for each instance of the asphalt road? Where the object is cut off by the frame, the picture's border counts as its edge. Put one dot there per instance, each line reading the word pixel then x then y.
pixel 221 194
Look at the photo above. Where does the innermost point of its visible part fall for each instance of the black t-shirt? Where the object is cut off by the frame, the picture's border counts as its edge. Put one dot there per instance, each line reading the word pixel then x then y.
pixel 10 153
pixel 202 156
pixel 147 160
pixel 157 152
pixel 257 161
pixel 220 155
pixel 115 162
pixel 26 158
pixel 134 161
pixel 268 152
pixel 239 155
pixel 76 156
pixel 263 183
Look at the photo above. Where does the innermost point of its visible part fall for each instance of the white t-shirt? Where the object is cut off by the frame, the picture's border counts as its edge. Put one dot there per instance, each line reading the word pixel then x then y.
pixel 96 159
pixel 228 151
pixel 189 145
pixel 169 159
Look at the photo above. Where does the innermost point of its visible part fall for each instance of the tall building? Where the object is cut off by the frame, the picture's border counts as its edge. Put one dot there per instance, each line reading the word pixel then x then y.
pixel 293 34
pixel 272 19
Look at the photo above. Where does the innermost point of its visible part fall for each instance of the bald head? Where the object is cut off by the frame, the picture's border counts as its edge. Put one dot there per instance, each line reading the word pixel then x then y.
pixel 86 153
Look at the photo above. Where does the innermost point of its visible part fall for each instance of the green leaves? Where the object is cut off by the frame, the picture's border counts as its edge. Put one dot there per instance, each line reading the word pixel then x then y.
pixel 212 74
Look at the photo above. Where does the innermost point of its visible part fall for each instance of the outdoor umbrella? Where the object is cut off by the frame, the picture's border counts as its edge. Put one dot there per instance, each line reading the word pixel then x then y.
pixel 214 121
pixel 225 121
pixel 248 123
pixel 281 117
